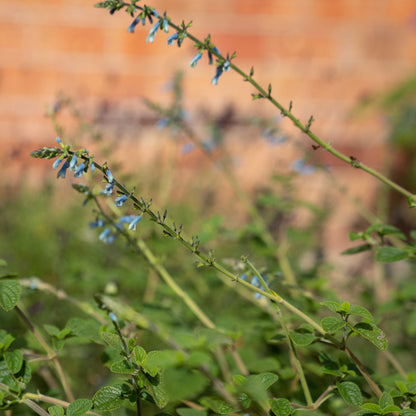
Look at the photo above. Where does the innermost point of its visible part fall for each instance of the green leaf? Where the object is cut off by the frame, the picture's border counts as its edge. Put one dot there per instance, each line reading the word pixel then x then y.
pixel 358 249
pixel 3 263
pixel 390 409
pixel 256 386
pixel 361 311
pixel 332 305
pixel 122 367
pixel 355 236
pixel 164 358
pixel 372 333
pixel 85 328
pixel 9 294
pixel 51 330
pixel 186 411
pixel 216 405
pixel 385 400
pixel 331 324
pixel 5 341
pixel 391 254
pixel 56 410
pixel 281 407
pixel 351 393
pixel 79 407
pixel 113 340
pixel 14 360
pixel 108 398
pixel 373 407
pixel 140 355
pixel 408 412
pixel 389 230
pixel 302 336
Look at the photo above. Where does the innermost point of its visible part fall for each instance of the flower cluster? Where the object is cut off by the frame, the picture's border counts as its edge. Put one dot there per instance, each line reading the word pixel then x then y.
pixel 106 235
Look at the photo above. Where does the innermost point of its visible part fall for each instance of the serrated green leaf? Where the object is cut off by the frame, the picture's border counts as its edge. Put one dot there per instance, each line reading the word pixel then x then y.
pixel 122 367
pixel 408 412
pixel 351 393
pixel 385 400
pixel 389 230
pixel 332 305
pixel 281 407
pixel 358 249
pixel 164 358
pixel 217 405
pixel 85 328
pixel 5 341
pixel 391 254
pixel 152 386
pixel 79 407
pixel 51 330
pixel 14 360
pixel 186 411
pixel 140 355
pixel 256 386
pixel 355 236
pixel 9 294
pixel 56 410
pixel 113 340
pixel 331 324
pixel 373 407
pixel 372 333
pixel 390 409
pixel 108 398
pixel 361 311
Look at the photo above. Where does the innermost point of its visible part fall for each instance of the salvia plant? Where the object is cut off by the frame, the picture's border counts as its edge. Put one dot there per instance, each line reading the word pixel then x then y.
pixel 226 334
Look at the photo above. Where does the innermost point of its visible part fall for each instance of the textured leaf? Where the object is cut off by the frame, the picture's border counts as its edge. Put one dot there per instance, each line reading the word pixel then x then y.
pixel 216 405
pixel 391 254
pixel 351 393
pixel 164 358
pixel 332 305
pixel 302 336
pixel 9 294
pixel 256 386
pixel 5 341
pixel 85 328
pixel 373 407
pixel 113 340
pixel 331 324
pixel 408 412
pixel 372 333
pixel 390 409
pixel 281 407
pixel 14 361
pixel 361 311
pixel 79 407
pixel 140 355
pixel 108 398
pixel 122 367
pixel 56 411
pixel 385 400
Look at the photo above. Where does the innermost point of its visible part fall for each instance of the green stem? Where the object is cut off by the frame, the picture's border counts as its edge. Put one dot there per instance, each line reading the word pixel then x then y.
pixel 51 355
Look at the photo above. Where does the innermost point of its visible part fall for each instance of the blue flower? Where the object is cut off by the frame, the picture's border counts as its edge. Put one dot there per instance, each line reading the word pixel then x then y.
pixel 172 38
pixel 218 73
pixel 133 24
pixel 112 317
pixel 80 170
pixel 210 54
pixel 57 163
pixel 133 223
pixel 120 200
pixel 92 165
pixel 195 60
pixel 165 25
pixel 243 276
pixel 97 223
pixel 226 66
pixel 59 140
pixel 109 176
pixel 62 171
pixel 126 219
pixel 73 163
pixel 108 189
pixel 103 236
pixel 152 33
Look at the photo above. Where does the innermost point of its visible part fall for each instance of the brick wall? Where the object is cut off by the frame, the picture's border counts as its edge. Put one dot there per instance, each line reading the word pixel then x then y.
pixel 325 55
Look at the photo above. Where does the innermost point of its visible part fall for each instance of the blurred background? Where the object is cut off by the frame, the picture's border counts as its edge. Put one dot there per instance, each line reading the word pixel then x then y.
pixel 331 58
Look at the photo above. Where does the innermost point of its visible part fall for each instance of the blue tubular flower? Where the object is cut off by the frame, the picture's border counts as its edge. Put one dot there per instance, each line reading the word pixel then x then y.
pixel 133 24
pixel 62 171
pixel 155 13
pixel 132 225
pixel 103 236
pixel 214 80
pixel 126 219
pixel 73 163
pixel 226 66
pixel 97 223
pixel 59 140
pixel 80 170
pixel 112 317
pixel 109 176
pixel 165 25
pixel 172 38
pixel 119 201
pixel 152 33
pixel 195 60
pixel 56 163
pixel 92 166
pixel 108 189
pixel 210 54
